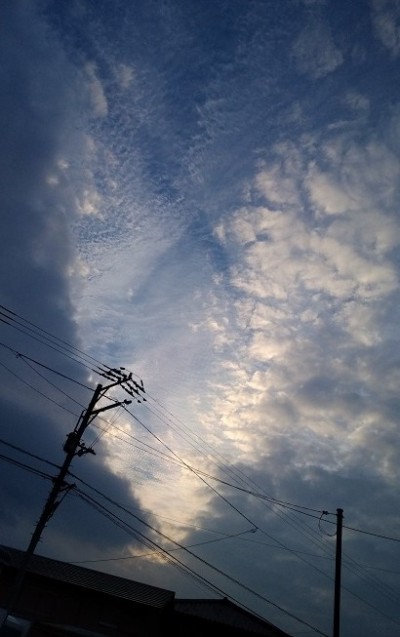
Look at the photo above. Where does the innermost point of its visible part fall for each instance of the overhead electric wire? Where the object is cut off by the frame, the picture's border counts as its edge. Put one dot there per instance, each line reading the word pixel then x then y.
pixel 294 507
pixel 170 550
pixel 112 517
pixel 230 578
pixel 300 557
pixel 218 539
pixel 24 451
pixel 297 508
pixel 244 479
pixel 53 464
pixel 219 571
pixel 270 498
pixel 370 578
pixel 281 543
pixel 218 494
pixel 26 467
pixel 52 338
pixel 51 346
pixel 51 369
pixel 67 349
pixel 28 453
pixel 25 359
pixel 173 560
pixel 47 476
pixel 226 468
pixel 381 536
pixel 50 382
pixel 196 471
pixel 146 541
pixel 183 463
pixel 381 587
pixel 193 470
pixel 36 390
pixel 273 501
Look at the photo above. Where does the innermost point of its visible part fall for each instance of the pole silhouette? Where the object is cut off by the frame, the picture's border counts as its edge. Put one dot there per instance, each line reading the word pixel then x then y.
pixel 72 447
pixel 338 569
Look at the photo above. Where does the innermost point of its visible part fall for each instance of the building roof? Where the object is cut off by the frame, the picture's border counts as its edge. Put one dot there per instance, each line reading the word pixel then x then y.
pixel 89 579
pixel 226 612
pixel 217 611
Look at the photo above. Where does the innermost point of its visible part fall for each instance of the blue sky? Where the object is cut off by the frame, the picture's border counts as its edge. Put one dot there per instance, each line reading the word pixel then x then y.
pixel 207 193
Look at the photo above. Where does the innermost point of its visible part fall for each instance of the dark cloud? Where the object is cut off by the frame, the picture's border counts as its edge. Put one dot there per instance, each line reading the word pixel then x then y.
pixel 37 106
pixel 40 106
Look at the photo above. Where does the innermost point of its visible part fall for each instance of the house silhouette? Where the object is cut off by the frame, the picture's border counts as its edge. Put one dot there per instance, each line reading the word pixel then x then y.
pixel 58 599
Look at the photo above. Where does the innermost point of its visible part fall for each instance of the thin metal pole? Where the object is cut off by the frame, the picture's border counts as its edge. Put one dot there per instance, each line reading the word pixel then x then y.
pixel 338 569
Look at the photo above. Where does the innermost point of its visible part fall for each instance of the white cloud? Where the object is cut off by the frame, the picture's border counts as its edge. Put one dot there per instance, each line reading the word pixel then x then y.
pixel 96 92
pixel 125 75
pixel 386 22
pixel 315 52
pixel 90 202
pixel 276 187
pixel 329 196
pixel 310 291
pixel 357 101
pixel 278 182
pixel 361 322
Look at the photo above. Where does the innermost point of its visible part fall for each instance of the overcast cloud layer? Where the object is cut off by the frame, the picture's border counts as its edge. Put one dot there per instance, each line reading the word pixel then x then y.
pixel 207 194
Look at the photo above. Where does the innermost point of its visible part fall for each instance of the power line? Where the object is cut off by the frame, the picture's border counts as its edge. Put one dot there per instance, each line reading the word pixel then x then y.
pixel 26 467
pixel 9 315
pixel 219 571
pixel 281 503
pixel 273 501
pixel 72 447
pixel 27 453
pixel 51 369
pixel 26 361
pixel 36 390
pixel 59 345
pixel 377 535
pixel 179 546
pixel 110 500
pixel 24 451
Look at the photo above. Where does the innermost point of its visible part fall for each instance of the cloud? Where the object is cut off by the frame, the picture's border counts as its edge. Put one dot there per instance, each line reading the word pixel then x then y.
pixel 311 282
pixel 386 23
pixel 314 51
pixel 358 102
pixel 44 195
pixel 125 75
pixel 96 91
pixel 38 133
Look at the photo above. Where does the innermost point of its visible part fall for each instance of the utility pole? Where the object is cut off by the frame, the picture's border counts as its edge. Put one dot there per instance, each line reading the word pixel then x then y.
pixel 338 568
pixel 72 447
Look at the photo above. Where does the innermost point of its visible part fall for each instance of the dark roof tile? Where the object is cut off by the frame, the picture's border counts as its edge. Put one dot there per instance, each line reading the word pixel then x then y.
pixel 90 579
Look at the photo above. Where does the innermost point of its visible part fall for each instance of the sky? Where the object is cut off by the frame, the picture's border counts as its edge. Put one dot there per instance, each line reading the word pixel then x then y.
pixel 206 194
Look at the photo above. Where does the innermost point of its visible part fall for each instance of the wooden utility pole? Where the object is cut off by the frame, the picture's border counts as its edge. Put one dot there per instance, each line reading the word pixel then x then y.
pixel 338 569
pixel 72 447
